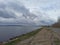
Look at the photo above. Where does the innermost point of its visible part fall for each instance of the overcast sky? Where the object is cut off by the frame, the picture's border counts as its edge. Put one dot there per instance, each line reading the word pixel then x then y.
pixel 33 12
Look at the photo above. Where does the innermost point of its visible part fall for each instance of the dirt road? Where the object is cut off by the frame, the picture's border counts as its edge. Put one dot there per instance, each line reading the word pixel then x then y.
pixel 44 37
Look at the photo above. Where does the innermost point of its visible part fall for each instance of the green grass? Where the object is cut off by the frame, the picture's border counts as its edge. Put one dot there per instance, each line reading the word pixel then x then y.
pixel 57 41
pixel 23 37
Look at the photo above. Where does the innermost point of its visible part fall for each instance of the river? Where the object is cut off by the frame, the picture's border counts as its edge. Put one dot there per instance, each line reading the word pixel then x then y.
pixel 7 32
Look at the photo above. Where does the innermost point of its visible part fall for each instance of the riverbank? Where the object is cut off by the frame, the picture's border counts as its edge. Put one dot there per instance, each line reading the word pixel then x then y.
pixel 44 37
pixel 45 33
pixel 17 39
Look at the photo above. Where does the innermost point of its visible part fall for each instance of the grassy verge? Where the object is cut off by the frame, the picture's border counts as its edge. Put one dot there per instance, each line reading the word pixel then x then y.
pixel 17 39
pixel 57 41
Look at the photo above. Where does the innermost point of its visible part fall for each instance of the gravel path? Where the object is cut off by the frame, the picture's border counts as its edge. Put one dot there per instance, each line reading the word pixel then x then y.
pixel 44 37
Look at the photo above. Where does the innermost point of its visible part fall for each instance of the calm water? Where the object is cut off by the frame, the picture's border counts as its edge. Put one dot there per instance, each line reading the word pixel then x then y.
pixel 7 32
pixel 57 30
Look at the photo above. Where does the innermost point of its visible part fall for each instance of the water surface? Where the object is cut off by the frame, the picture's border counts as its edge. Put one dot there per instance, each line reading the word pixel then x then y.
pixel 57 30
pixel 7 32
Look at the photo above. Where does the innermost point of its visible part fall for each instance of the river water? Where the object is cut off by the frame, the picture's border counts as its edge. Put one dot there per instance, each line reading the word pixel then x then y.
pixel 7 32
pixel 57 30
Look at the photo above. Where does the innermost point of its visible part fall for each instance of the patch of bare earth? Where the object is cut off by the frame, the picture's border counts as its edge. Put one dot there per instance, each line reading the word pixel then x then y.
pixel 44 37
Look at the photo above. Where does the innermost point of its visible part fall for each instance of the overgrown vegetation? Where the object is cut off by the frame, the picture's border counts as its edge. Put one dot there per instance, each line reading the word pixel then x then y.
pixel 22 37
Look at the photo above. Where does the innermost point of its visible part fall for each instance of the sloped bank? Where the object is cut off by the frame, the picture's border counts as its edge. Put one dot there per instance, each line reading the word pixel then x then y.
pixel 44 37
pixel 17 39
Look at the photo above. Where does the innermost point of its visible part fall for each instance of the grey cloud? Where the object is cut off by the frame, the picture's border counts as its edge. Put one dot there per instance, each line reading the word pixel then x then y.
pixel 27 17
pixel 6 14
pixel 22 9
pixel 16 7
